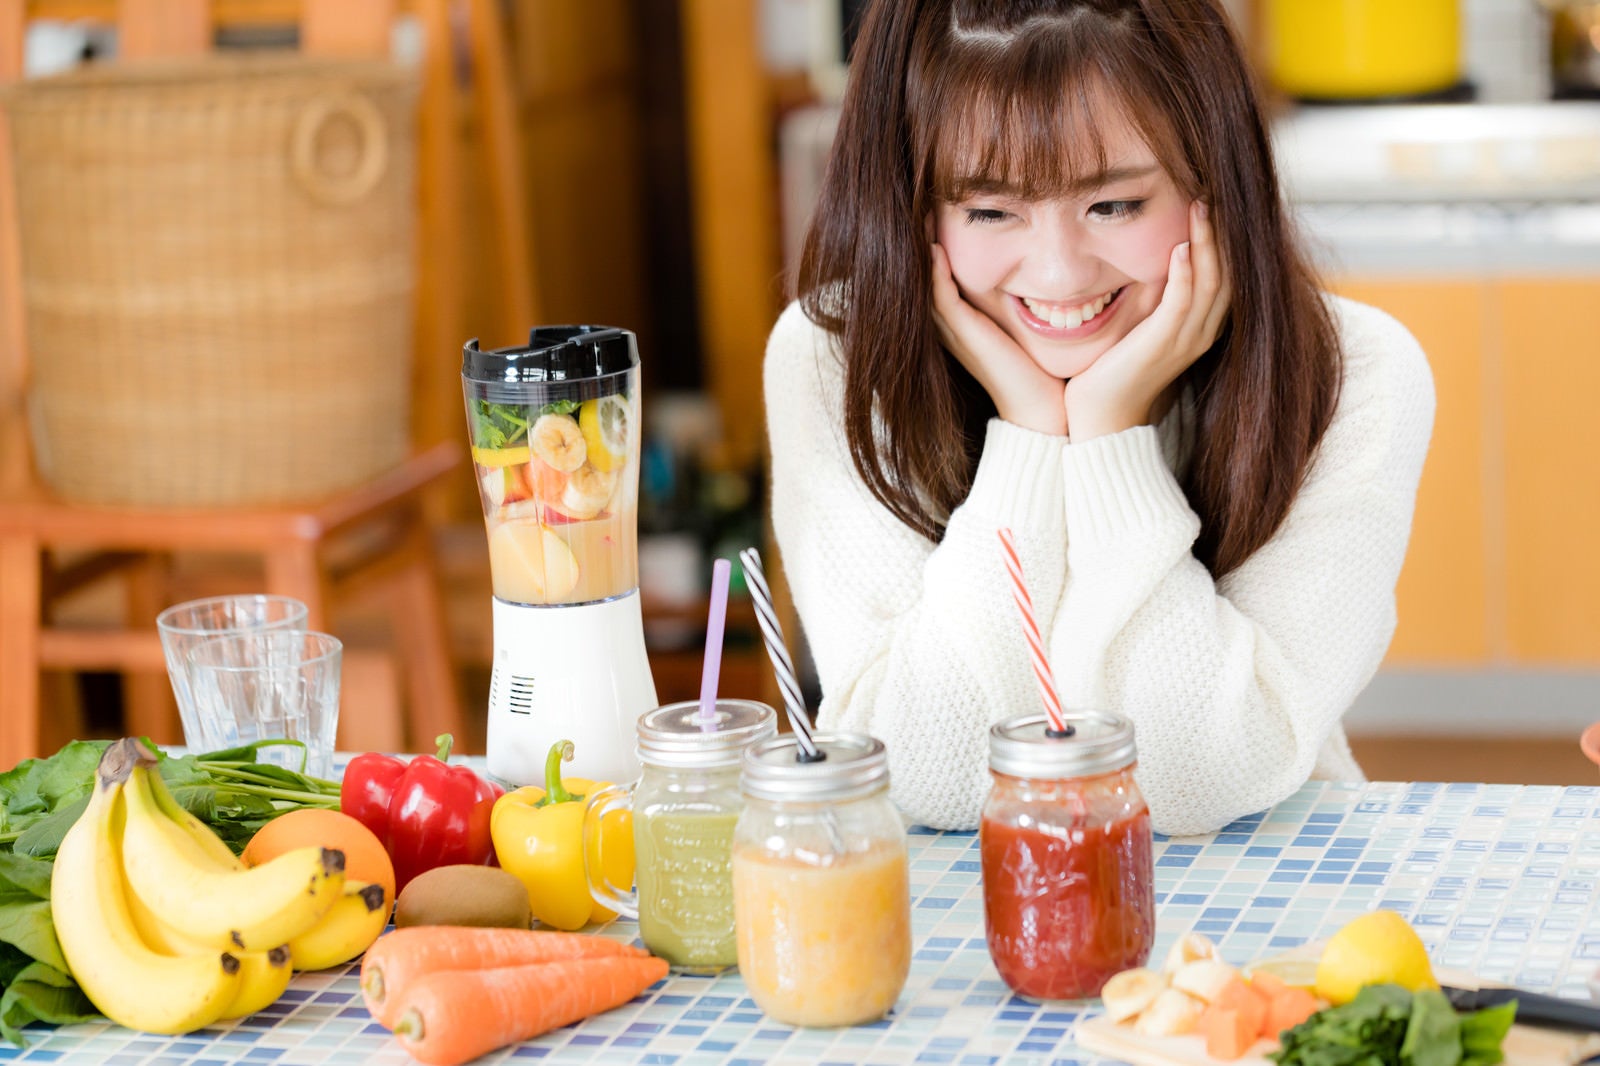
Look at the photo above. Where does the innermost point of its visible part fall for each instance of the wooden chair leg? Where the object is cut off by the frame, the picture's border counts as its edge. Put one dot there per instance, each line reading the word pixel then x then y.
pixel 433 701
pixel 369 703
pixel 19 650
pixel 148 706
pixel 296 571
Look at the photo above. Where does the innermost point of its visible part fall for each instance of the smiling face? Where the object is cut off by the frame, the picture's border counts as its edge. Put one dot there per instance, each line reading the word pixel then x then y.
pixel 1068 275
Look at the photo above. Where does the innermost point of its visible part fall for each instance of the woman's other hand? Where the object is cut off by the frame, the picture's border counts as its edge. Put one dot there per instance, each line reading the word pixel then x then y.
pixel 1129 385
pixel 1023 393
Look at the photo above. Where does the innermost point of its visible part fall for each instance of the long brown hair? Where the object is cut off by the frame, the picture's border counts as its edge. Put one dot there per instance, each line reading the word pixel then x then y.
pixel 1012 86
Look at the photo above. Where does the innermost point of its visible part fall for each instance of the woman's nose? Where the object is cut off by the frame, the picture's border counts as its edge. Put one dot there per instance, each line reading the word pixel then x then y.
pixel 1062 263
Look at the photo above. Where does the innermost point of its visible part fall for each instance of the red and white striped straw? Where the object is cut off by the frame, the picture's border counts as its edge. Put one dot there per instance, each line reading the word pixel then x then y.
pixel 1030 629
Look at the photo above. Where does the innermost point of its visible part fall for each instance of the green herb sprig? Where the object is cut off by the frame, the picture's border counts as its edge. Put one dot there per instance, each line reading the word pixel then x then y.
pixel 1386 1025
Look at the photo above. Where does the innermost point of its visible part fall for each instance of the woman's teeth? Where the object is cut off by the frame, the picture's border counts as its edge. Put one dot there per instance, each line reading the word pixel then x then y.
pixel 1061 317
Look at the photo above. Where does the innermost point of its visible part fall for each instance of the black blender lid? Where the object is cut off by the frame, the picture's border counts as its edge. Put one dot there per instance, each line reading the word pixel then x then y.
pixel 554 354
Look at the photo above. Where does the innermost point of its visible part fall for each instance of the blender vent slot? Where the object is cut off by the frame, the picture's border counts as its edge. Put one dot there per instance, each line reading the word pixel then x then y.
pixel 519 700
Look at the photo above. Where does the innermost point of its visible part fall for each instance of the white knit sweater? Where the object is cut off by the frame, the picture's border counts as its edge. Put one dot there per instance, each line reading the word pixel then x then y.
pixel 1235 687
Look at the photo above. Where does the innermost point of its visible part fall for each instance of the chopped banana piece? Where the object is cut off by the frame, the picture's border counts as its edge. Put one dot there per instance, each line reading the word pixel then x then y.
pixel 1204 979
pixel 1172 1014
pixel 1191 947
pixel 1130 992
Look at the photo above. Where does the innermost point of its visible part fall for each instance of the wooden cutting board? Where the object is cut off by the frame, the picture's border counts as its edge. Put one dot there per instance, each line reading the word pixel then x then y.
pixel 1524 1045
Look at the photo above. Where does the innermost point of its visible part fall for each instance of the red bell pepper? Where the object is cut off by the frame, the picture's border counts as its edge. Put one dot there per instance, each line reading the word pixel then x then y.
pixel 426 812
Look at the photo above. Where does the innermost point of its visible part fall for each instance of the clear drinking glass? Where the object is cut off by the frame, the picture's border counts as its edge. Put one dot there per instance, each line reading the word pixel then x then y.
pixel 187 624
pixel 269 684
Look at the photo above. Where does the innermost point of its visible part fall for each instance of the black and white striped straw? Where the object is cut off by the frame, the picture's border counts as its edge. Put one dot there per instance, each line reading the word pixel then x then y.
pixel 778 652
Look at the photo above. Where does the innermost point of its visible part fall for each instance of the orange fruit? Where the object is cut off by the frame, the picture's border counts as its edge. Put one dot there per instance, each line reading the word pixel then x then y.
pixel 364 856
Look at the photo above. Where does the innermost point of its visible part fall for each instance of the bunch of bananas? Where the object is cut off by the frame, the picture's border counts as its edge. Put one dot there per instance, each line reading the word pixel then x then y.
pixel 166 931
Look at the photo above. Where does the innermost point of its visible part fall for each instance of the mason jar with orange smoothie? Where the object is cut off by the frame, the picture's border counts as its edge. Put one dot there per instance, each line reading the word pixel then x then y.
pixel 821 882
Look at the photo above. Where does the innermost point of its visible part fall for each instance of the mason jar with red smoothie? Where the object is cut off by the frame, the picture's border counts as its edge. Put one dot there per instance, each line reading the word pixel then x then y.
pixel 1068 884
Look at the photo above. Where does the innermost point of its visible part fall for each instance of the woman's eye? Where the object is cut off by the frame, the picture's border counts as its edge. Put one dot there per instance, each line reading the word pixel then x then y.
pixel 985 214
pixel 1116 208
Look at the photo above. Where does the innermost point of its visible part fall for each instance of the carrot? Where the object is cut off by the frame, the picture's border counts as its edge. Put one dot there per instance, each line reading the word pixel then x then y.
pixel 1228 1033
pixel 447 1018
pixel 1289 1009
pixel 398 958
pixel 1238 995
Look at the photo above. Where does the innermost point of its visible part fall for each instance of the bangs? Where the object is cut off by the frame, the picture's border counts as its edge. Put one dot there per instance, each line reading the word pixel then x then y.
pixel 1030 127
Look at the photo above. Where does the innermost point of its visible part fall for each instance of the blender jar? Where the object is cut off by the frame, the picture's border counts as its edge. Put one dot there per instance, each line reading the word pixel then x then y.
pixel 555 447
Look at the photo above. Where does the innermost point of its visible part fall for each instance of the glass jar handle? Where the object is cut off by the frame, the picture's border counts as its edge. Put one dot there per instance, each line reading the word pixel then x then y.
pixel 602 891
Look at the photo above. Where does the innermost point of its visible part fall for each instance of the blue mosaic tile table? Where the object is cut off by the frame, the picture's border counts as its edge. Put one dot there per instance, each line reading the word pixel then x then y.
pixel 1500 880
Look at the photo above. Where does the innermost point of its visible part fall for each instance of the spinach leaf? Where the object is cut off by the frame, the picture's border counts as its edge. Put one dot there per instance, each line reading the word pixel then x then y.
pixel 27 927
pixel 1433 1038
pixel 43 838
pixel 42 993
pixel 1482 1033
pixel 497 425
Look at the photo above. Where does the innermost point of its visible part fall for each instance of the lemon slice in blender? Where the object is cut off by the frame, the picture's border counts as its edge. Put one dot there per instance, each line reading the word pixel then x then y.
pixel 604 422
pixel 495 457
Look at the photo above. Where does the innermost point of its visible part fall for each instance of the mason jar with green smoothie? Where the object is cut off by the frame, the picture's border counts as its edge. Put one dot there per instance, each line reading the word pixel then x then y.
pixel 685 804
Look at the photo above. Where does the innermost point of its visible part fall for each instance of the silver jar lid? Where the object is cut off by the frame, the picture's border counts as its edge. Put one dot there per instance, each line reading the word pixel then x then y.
pixel 674 736
pixel 1100 743
pixel 854 765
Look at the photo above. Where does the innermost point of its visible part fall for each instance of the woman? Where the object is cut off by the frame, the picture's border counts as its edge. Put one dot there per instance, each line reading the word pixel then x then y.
pixel 1050 286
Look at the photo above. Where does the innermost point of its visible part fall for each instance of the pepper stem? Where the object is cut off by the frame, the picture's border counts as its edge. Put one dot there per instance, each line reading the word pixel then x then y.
pixel 445 742
pixel 554 791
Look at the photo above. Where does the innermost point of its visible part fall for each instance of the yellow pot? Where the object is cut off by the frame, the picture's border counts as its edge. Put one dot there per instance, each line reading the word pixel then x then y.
pixel 1358 49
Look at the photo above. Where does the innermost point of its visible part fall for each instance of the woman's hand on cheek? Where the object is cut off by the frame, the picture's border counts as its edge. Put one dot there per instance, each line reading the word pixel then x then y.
pixel 1023 394
pixel 1124 386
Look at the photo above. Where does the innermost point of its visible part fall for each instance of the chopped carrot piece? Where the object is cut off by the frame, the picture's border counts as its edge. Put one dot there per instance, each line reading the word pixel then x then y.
pixel 1288 1010
pixel 1228 1034
pixel 1237 995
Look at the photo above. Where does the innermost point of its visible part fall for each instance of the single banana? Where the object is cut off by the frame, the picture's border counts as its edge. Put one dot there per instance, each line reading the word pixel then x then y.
pixel 1172 1014
pixel 1131 991
pixel 202 833
pixel 1190 947
pixel 263 976
pixel 250 910
pixel 127 980
pixel 345 931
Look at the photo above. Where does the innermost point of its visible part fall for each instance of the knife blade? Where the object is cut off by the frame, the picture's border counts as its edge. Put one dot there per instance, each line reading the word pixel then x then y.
pixel 1533 1008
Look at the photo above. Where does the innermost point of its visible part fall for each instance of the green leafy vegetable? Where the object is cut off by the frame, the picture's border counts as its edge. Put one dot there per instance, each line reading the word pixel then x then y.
pixel 1386 1025
pixel 497 425
pixel 40 799
pixel 504 425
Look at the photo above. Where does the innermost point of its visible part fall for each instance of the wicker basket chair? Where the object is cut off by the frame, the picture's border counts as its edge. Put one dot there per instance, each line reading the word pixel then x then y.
pixel 317 532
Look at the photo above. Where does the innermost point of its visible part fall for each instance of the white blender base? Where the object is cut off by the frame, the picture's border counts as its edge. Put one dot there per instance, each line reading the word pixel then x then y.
pixel 575 672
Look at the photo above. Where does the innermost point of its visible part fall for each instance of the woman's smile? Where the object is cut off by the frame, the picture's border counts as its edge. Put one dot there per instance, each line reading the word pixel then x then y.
pixel 1071 320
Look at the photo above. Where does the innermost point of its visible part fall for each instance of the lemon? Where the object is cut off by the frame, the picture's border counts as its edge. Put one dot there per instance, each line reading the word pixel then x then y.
pixel 1296 971
pixel 497 457
pixel 1376 948
pixel 605 430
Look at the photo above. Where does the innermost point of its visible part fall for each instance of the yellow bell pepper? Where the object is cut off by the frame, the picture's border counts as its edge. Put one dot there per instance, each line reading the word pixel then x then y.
pixel 538 837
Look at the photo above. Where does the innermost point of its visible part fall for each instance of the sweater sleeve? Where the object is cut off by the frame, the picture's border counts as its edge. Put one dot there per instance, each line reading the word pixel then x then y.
pixel 915 643
pixel 1235 687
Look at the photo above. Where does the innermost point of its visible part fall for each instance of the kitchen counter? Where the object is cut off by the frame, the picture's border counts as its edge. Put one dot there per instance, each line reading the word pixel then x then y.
pixel 1499 880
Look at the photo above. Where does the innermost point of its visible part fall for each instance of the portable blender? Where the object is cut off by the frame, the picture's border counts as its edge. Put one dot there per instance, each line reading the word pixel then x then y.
pixel 555 447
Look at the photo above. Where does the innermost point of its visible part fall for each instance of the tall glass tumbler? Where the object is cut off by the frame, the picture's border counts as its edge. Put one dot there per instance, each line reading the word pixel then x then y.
pixel 187 624
pixel 267 685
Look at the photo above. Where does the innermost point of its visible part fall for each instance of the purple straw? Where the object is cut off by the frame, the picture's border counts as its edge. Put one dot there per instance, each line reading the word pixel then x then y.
pixel 720 571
